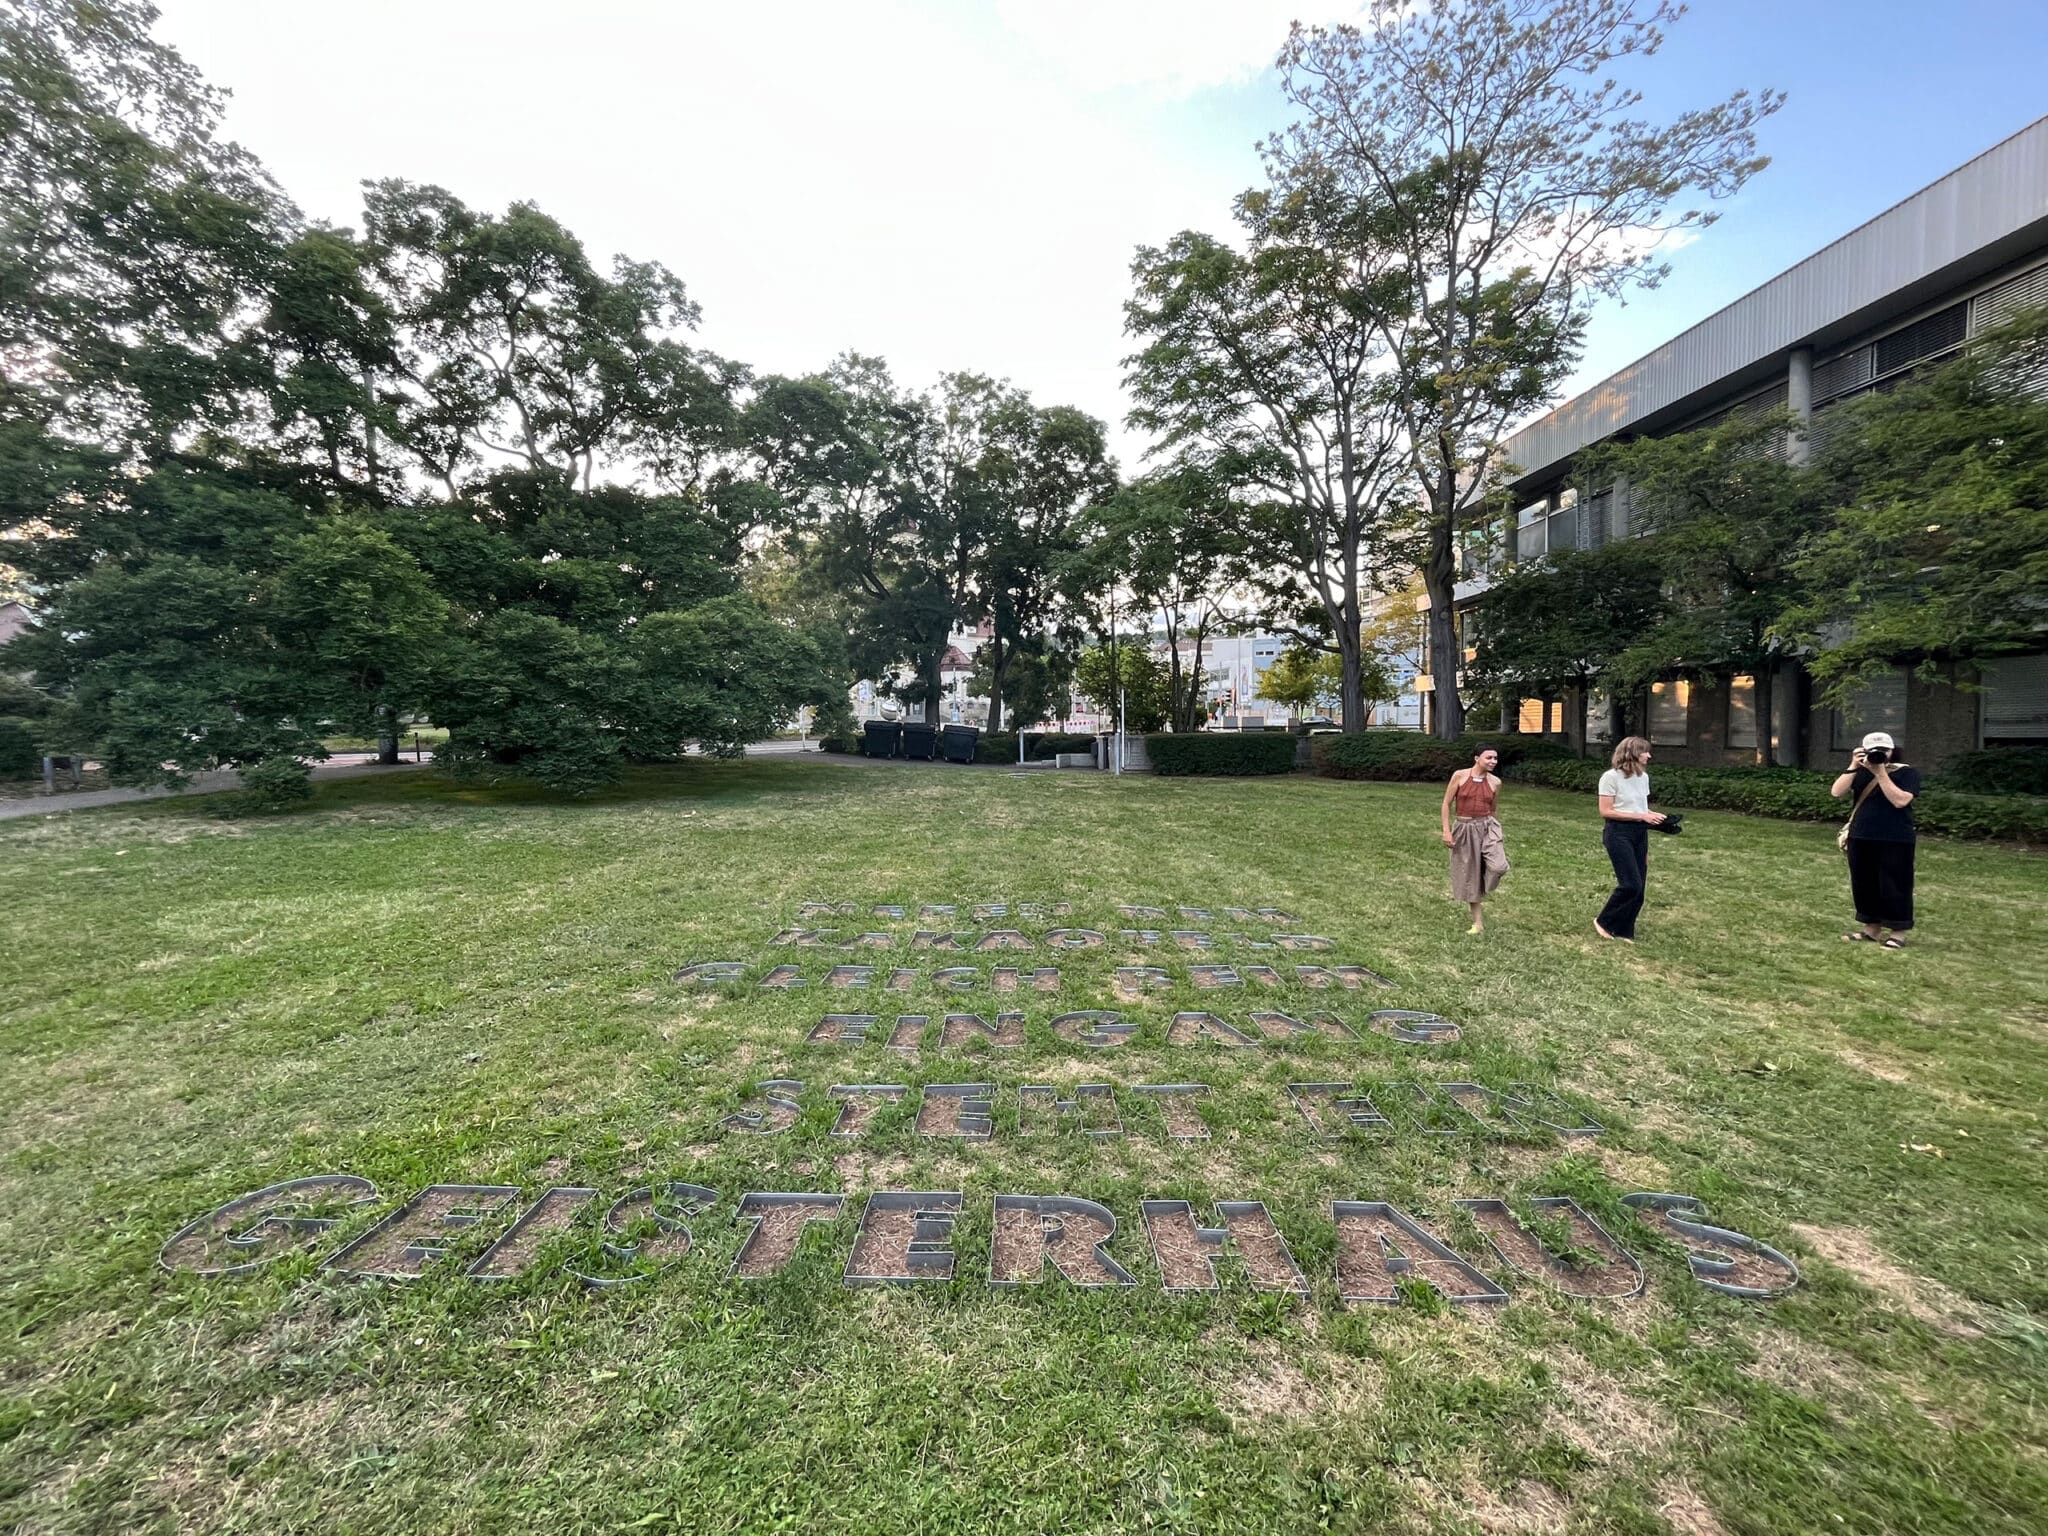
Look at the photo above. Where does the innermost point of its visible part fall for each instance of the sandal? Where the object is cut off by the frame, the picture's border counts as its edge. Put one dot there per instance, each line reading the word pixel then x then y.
pixel 1891 942
pixel 1857 936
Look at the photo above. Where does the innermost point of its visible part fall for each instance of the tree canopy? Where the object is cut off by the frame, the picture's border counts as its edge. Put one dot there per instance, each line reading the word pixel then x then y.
pixel 269 481
pixel 1493 152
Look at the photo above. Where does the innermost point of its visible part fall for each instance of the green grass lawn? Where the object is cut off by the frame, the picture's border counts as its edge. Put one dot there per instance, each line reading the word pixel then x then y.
pixel 419 982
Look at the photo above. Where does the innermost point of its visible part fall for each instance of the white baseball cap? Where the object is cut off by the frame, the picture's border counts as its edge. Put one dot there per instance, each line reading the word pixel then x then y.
pixel 1879 739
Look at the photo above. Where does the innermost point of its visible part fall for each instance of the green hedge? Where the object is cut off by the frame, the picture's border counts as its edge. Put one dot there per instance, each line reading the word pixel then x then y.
pixel 847 744
pixel 1221 752
pixel 18 756
pixel 1411 755
pixel 1999 771
pixel 1039 746
pixel 1796 794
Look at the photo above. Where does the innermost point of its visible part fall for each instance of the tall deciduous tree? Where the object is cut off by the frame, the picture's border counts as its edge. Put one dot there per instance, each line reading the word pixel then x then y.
pixel 1727 515
pixel 1939 553
pixel 1265 371
pixel 1126 680
pixel 1042 471
pixel 1309 680
pixel 514 348
pixel 135 245
pixel 1501 160
pixel 1569 619
pixel 891 491
pixel 1176 541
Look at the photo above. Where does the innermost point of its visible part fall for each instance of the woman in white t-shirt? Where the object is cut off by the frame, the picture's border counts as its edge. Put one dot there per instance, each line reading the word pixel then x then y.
pixel 1626 819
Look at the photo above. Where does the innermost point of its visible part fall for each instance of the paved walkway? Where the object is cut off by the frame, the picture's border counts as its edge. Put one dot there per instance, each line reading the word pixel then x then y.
pixel 341 766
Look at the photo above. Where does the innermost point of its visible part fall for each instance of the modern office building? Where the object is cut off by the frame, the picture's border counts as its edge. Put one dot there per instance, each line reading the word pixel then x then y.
pixel 1896 295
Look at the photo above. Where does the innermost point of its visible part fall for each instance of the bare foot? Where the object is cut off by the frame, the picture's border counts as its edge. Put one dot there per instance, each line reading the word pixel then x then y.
pixel 1601 931
pixel 1476 928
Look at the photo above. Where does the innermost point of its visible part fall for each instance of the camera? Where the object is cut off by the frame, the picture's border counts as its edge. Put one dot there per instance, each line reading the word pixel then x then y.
pixel 1877 755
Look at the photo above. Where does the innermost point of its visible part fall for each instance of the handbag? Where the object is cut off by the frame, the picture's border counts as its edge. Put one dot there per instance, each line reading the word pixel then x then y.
pixel 1842 837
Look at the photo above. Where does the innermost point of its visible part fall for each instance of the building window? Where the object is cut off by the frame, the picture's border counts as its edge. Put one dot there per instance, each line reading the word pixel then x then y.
pixel 1879 705
pixel 1596 716
pixel 1529 718
pixel 1669 703
pixel 2015 699
pixel 1742 713
pixel 1532 530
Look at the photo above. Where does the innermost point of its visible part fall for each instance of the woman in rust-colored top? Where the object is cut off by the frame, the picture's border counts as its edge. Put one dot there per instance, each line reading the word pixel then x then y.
pixel 1479 858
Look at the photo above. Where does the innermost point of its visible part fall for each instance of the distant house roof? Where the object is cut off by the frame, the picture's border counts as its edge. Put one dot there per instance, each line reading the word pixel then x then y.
pixel 14 618
pixel 956 661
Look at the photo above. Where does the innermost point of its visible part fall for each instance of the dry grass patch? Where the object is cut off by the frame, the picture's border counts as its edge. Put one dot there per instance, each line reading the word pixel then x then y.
pixel 1855 1252
pixel 1870 1066
pixel 1602 1416
pixel 1287 1384
pixel 1686 1512
pixel 1529 1508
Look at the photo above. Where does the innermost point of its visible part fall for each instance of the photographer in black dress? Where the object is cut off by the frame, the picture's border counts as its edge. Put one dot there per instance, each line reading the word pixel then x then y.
pixel 1879 839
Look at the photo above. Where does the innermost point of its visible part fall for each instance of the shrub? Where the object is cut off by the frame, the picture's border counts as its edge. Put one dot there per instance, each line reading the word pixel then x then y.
pixel 1043 747
pixel 276 784
pixel 1999 771
pixel 1200 752
pixel 1039 746
pixel 1410 755
pixel 847 744
pixel 18 756
pixel 22 701
pixel 1797 794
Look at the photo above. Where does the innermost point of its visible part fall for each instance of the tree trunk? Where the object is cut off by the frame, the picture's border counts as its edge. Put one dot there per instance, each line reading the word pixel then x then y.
pixel 1193 716
pixel 1763 687
pixel 998 669
pixel 934 686
pixel 387 736
pixel 1351 692
pixel 1444 658
pixel 370 428
pixel 1802 717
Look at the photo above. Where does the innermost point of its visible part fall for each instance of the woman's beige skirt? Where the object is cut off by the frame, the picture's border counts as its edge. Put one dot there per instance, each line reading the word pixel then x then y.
pixel 1478 857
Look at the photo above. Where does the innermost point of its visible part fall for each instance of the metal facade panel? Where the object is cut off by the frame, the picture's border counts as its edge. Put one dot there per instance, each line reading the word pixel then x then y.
pixel 2000 194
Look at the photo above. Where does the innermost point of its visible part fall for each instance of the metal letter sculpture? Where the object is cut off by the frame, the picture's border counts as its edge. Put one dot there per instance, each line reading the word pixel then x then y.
pixel 668 1242
pixel 1176 1102
pixel 1072 1233
pixel 964 1110
pixel 903 1238
pixel 553 1214
pixel 1095 1028
pixel 778 1223
pixel 260 1228
pixel 859 1103
pixel 1378 1247
pixel 778 1095
pixel 1192 1028
pixel 1733 1263
pixel 964 1029
pixel 421 1232
pixel 1612 1273
pixel 1186 1251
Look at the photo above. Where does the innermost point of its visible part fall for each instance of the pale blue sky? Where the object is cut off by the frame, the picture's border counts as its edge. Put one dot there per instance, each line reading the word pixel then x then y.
pixel 959 185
